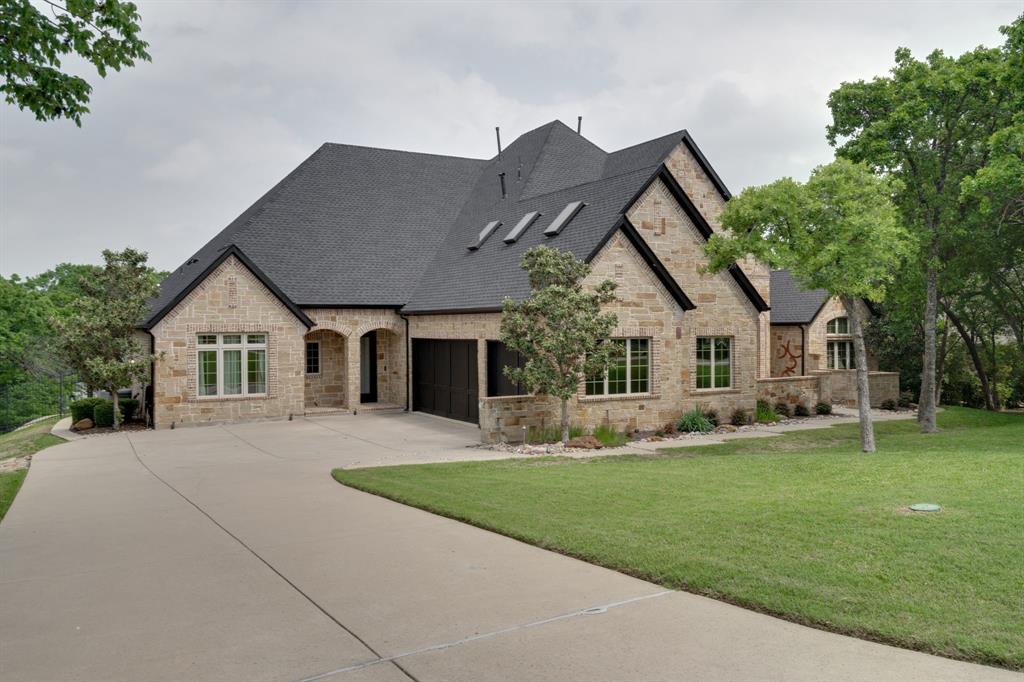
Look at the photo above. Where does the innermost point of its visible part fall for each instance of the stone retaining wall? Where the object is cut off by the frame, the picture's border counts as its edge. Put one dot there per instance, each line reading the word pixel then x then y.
pixel 509 418
pixel 798 390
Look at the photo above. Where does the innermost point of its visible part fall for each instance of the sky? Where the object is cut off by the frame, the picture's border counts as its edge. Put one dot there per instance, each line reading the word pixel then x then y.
pixel 239 93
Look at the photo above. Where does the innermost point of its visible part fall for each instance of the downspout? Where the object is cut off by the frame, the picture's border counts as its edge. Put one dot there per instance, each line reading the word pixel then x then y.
pixel 408 365
pixel 803 350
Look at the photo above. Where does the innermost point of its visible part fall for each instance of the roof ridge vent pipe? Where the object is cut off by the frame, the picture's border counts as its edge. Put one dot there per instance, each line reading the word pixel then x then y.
pixel 501 179
pixel 579 124
pixel 497 134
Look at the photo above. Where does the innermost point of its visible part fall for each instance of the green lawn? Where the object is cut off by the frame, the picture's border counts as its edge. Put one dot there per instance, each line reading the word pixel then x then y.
pixel 26 441
pixel 802 526
pixel 29 440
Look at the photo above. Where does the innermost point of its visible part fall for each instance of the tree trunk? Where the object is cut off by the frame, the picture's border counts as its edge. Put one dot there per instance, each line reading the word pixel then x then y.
pixel 940 364
pixel 972 350
pixel 565 421
pixel 926 403
pixel 867 427
pixel 117 411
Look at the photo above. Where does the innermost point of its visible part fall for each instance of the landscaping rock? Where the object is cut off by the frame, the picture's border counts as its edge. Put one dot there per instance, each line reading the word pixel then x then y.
pixel 82 425
pixel 726 428
pixel 584 443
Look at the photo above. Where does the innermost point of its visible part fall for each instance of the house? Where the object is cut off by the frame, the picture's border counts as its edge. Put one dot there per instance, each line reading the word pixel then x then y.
pixel 811 336
pixel 372 278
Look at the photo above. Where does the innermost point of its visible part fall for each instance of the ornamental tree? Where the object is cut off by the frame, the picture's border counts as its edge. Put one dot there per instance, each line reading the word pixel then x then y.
pixel 98 333
pixel 838 231
pixel 559 329
pixel 104 33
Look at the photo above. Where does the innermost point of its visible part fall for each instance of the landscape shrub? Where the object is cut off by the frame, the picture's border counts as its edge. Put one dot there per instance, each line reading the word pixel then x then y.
pixel 765 414
pixel 711 415
pixel 782 409
pixel 128 406
pixel 739 417
pixel 823 408
pixel 609 437
pixel 103 413
pixel 801 410
pixel 906 397
pixel 695 421
pixel 889 404
pixel 82 409
pixel 551 434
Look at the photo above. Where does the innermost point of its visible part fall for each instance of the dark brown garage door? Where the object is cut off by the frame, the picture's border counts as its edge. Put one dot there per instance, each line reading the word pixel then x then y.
pixel 444 380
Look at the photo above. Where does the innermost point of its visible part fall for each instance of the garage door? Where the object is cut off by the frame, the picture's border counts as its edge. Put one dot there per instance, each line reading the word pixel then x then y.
pixel 444 378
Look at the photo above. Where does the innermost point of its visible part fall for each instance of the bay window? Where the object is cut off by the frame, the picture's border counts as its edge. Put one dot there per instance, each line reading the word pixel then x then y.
pixel 231 365
pixel 628 372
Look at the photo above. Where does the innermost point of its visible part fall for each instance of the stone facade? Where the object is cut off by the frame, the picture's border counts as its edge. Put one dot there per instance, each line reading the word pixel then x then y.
pixel 231 299
pixel 817 337
pixel 328 387
pixel 795 390
pixel 351 324
pixel 787 351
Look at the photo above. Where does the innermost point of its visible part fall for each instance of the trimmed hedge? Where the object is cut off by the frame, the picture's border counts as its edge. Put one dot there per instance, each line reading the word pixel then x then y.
pixel 83 409
pixel 103 413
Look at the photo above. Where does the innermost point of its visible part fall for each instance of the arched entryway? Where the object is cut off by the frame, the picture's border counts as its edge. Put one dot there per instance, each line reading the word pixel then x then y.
pixel 381 369
pixel 326 370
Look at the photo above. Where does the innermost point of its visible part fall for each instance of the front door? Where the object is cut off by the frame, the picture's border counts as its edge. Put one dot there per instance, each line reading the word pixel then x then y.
pixel 368 368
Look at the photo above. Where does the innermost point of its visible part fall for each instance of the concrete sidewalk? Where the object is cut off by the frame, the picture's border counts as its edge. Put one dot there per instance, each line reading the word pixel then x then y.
pixel 229 553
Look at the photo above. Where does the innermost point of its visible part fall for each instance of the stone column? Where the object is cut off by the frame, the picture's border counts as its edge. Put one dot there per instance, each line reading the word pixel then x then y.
pixel 352 372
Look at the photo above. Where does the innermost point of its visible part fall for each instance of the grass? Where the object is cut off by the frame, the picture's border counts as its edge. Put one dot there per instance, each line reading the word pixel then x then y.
pixel 27 441
pixel 10 484
pixel 609 437
pixel 802 526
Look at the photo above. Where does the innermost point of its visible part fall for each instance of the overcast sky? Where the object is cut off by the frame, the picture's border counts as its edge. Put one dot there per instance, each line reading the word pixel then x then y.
pixel 239 93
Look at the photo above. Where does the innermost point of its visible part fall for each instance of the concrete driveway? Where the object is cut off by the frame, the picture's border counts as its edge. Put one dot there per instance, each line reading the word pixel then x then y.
pixel 229 553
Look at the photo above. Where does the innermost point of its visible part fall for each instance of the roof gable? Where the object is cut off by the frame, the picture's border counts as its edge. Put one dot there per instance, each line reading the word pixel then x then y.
pixel 160 313
pixel 792 304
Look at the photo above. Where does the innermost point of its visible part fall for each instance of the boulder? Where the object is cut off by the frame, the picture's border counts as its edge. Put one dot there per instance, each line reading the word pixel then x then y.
pixel 584 442
pixel 82 425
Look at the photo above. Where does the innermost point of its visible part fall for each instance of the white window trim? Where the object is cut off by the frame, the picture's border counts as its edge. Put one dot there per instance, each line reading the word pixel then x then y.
pixel 220 347
pixel 836 320
pixel 696 350
pixel 319 359
pixel 833 357
pixel 629 371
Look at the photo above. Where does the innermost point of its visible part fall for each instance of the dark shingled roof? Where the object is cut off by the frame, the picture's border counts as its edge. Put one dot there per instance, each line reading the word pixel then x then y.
pixel 790 303
pixel 358 226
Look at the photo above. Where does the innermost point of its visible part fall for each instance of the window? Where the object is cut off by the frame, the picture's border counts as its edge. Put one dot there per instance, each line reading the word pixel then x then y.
pixel 840 355
pixel 714 362
pixel 628 372
pixel 220 358
pixel 312 357
pixel 838 325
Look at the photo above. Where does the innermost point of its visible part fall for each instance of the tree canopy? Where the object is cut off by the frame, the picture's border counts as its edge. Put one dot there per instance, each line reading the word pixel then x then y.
pixel 934 125
pixel 839 231
pixel 559 329
pixel 104 33
pixel 98 335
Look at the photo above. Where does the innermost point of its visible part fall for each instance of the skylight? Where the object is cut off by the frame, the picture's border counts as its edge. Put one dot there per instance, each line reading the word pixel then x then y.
pixel 521 226
pixel 563 218
pixel 484 234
